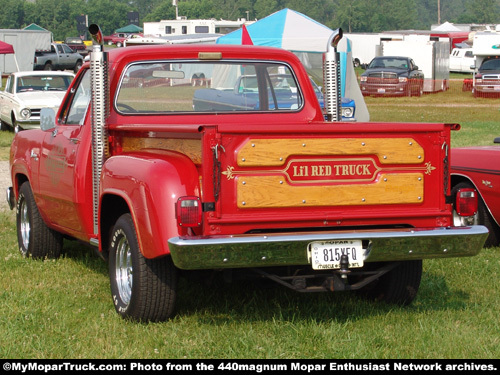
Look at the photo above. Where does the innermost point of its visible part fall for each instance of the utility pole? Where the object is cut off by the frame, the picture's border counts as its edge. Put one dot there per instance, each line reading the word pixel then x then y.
pixel 174 3
pixel 439 12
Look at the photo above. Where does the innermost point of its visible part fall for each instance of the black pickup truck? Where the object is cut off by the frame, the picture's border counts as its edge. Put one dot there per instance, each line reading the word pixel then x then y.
pixel 392 75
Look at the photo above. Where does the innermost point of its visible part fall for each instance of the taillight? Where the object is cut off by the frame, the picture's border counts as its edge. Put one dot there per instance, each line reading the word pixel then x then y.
pixel 466 202
pixel 189 211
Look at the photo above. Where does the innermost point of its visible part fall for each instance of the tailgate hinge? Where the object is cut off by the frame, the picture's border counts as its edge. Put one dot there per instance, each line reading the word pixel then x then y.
pixel 217 170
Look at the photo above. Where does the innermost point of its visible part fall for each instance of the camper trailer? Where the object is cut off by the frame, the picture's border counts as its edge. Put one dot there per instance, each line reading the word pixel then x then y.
pixel 184 26
pixel 486 49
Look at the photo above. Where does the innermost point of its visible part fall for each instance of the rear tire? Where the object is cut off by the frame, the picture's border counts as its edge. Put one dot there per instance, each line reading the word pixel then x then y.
pixel 35 239
pixel 398 286
pixel 484 218
pixel 142 289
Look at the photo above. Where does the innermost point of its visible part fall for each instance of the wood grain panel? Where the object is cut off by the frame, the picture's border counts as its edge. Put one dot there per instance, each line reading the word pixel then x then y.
pixel 274 191
pixel 188 147
pixel 274 152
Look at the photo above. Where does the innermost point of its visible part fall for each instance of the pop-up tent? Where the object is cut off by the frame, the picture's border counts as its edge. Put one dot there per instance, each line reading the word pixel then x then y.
pixel 6 49
pixel 129 29
pixel 308 39
pixel 285 29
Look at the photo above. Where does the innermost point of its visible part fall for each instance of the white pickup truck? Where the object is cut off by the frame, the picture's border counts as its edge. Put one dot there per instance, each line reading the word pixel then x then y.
pixel 461 60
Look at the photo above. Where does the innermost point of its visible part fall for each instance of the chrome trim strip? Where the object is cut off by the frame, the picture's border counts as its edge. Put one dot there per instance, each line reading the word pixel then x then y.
pixel 245 251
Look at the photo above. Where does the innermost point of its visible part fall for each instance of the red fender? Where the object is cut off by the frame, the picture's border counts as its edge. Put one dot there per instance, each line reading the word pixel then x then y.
pixel 151 184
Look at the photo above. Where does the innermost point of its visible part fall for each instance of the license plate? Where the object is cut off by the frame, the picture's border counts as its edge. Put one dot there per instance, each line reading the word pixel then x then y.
pixel 381 91
pixel 326 255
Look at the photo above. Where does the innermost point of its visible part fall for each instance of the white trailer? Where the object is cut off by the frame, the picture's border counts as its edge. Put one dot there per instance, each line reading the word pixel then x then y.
pixel 366 46
pixel 25 43
pixel 432 58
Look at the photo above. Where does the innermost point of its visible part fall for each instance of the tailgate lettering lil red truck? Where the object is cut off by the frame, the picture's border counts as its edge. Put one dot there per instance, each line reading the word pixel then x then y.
pixel 160 176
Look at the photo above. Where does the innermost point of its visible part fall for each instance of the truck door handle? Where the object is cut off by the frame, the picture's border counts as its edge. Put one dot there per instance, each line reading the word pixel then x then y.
pixel 74 140
pixel 34 155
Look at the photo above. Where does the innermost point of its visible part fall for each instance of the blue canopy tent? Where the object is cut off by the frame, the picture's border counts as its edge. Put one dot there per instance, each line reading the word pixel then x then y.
pixel 308 39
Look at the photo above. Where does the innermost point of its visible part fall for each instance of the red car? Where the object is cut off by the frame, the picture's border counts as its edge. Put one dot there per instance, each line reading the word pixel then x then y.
pixel 118 38
pixel 478 169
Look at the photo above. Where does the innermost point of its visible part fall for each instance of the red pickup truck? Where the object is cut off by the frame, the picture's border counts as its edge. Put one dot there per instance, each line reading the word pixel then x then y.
pixel 262 186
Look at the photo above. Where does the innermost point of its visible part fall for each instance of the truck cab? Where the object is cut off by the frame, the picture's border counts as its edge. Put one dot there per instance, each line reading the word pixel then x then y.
pixel 461 60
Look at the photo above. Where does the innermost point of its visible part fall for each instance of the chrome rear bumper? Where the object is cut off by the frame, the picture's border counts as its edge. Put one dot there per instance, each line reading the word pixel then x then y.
pixel 246 251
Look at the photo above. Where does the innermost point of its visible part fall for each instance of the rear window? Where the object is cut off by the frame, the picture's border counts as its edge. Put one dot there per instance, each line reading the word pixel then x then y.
pixel 214 87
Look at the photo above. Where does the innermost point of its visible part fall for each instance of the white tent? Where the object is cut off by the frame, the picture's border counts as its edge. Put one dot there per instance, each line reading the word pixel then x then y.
pixel 447 26
pixel 308 39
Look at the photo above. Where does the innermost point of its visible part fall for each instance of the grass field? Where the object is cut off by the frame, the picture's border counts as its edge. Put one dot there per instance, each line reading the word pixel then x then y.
pixel 63 308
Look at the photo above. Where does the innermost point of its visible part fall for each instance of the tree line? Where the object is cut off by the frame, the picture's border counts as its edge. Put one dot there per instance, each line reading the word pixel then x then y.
pixel 59 16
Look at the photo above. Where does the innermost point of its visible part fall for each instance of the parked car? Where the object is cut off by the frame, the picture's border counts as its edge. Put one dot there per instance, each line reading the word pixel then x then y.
pixel 118 38
pixel 245 96
pixel 26 93
pixel 77 45
pixel 392 75
pixel 60 57
pixel 477 169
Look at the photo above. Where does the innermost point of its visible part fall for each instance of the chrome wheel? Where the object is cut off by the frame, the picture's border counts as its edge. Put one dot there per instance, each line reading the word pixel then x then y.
pixel 142 289
pixel 24 226
pixel 34 238
pixel 124 270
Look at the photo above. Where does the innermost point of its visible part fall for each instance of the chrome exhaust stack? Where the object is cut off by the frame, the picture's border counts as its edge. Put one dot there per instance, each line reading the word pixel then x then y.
pixel 331 78
pixel 99 112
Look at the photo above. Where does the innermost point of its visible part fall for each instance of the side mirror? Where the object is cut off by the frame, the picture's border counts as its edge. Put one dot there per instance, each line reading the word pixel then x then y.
pixel 47 119
pixel 496 140
pixel 415 67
